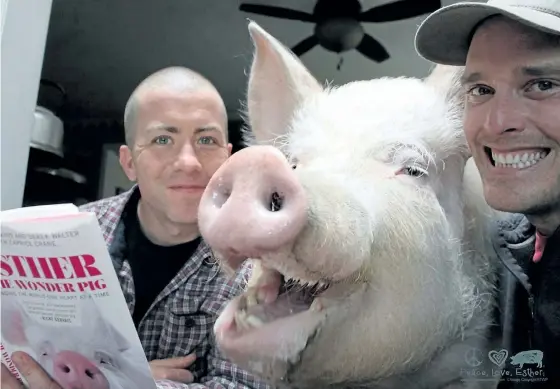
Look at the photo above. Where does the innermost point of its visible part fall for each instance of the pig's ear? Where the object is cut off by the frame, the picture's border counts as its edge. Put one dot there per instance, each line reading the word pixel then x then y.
pixel 14 323
pixel 278 84
pixel 447 79
pixel 101 326
pixel 121 342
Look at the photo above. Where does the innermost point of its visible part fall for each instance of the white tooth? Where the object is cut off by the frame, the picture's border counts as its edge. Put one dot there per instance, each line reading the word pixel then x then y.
pixel 254 321
pixel 534 161
pixel 516 158
pixel 525 157
pixel 494 156
pixel 501 158
pixel 240 319
pixel 251 298
pixel 543 154
pixel 529 163
pixel 316 305
pixel 509 158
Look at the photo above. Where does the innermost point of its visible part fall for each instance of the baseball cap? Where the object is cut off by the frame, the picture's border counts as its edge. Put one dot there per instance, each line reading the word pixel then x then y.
pixel 444 36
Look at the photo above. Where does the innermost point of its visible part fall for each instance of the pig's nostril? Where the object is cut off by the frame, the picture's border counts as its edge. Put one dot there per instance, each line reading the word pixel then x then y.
pixel 276 202
pixel 65 369
pixel 89 373
pixel 220 197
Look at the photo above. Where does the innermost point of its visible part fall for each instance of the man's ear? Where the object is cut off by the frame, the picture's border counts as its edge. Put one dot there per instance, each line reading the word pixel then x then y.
pixel 125 159
pixel 278 84
pixel 229 148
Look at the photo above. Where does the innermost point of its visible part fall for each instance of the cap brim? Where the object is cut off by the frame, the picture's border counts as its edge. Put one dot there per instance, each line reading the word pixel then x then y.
pixel 444 36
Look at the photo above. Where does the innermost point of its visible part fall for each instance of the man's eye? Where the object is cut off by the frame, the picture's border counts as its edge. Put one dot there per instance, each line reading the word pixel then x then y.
pixel 207 140
pixel 479 90
pixel 162 140
pixel 541 86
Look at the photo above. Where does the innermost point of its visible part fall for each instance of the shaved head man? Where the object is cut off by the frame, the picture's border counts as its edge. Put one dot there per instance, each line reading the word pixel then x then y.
pixel 176 137
pixel 174 78
pixel 176 134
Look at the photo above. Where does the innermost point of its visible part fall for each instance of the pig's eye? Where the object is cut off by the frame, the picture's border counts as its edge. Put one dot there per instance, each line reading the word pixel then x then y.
pixel 45 349
pixel 294 163
pixel 413 171
pixel 105 359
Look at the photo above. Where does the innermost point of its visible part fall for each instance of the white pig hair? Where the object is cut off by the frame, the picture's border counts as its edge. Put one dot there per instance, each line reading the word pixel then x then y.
pixel 425 273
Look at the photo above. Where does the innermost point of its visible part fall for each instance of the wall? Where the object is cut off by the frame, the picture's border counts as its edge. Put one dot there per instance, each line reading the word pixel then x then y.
pixel 24 33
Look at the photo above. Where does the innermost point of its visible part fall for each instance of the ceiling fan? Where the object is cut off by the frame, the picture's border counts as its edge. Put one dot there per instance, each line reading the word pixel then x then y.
pixel 338 23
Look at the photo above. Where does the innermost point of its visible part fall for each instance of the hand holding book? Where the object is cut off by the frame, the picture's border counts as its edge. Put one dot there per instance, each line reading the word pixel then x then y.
pixel 62 305
pixel 36 377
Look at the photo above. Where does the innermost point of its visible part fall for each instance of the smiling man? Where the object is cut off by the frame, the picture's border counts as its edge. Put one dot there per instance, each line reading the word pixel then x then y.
pixel 510 51
pixel 176 137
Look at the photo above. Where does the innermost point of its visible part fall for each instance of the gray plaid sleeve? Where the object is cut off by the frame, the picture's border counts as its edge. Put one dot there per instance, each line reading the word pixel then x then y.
pixel 221 373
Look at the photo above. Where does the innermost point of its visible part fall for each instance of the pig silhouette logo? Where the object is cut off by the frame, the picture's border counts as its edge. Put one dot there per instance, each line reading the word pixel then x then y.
pixel 92 354
pixel 527 357
pixel 498 357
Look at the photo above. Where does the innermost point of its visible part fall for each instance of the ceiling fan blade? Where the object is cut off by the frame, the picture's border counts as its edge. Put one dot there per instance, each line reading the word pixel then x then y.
pixel 399 10
pixel 277 12
pixel 372 49
pixel 305 45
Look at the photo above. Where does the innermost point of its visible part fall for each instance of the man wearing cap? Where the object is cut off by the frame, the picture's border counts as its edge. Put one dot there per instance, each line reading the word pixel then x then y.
pixel 510 54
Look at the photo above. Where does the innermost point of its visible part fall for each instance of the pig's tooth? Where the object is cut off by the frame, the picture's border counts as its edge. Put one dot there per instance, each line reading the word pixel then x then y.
pixel 241 320
pixel 246 322
pixel 251 298
pixel 316 305
pixel 254 321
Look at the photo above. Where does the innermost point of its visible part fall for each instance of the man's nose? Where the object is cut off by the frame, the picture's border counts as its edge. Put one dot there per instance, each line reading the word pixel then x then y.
pixel 506 113
pixel 187 159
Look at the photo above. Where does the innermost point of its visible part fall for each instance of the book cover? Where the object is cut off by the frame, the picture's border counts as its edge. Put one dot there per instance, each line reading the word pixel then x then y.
pixel 62 302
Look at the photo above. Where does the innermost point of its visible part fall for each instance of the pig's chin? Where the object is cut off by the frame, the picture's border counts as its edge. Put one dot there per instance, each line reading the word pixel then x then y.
pixel 269 337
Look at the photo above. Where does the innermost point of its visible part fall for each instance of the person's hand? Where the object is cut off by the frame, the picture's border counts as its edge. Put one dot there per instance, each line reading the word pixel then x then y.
pixel 36 377
pixel 173 369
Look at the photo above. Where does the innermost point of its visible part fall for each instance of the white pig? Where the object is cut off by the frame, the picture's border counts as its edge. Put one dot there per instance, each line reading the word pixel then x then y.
pixel 92 355
pixel 366 226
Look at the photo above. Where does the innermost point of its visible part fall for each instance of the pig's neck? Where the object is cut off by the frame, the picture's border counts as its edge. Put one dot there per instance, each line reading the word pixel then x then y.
pixel 161 231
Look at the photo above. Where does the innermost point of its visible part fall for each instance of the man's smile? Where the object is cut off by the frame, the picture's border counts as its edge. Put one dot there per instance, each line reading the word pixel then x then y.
pixel 516 158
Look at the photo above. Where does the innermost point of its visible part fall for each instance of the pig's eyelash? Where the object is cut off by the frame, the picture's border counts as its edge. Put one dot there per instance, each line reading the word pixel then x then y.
pixel 413 171
pixel 410 154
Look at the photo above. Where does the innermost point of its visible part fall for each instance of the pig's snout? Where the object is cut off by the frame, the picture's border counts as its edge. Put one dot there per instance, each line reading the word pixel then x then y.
pixel 74 371
pixel 253 204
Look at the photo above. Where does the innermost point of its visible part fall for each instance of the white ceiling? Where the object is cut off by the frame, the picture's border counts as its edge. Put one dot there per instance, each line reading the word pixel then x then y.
pixel 98 50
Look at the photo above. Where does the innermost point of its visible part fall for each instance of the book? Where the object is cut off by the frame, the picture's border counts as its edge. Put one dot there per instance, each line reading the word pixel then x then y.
pixel 62 302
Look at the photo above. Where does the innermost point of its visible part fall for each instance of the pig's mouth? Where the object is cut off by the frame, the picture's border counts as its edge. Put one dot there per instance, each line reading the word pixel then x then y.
pixel 276 330
pixel 292 298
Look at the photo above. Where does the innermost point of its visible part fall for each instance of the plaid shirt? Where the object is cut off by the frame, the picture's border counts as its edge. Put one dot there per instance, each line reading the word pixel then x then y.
pixel 180 321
